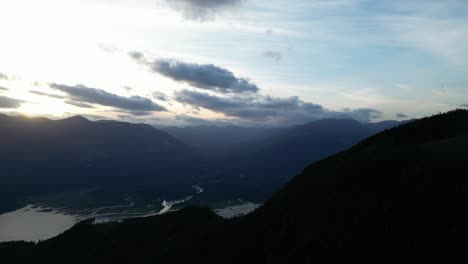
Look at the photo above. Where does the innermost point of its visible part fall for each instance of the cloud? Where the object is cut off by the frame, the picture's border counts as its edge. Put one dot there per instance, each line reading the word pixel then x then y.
pixel 361 114
pixel 258 108
pixel 203 76
pixel 3 88
pixel 139 113
pixel 254 107
pixel 136 55
pixel 464 105
pixel 78 104
pixel 85 94
pixel 275 55
pixel 127 88
pixel 202 10
pixel 107 48
pixel 160 96
pixel 56 96
pixel 3 76
pixel 401 115
pixel 7 102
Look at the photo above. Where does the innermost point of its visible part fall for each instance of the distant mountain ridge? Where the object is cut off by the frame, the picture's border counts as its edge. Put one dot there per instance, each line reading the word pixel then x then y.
pixel 40 155
pixel 212 137
pixel 269 159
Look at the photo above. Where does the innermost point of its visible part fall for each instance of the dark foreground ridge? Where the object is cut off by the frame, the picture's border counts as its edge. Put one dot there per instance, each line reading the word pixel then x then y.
pixel 397 197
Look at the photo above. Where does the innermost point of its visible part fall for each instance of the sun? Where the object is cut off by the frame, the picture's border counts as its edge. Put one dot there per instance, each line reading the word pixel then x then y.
pixel 45 107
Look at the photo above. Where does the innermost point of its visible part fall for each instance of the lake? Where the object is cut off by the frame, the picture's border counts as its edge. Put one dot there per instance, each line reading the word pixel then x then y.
pixel 33 223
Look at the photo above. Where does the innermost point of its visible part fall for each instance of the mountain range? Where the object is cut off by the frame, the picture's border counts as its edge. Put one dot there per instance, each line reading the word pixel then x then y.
pixel 397 197
pixel 42 156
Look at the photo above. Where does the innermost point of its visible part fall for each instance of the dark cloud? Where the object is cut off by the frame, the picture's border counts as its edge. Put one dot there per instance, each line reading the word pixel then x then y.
pixel 160 96
pixel 7 102
pixel 254 107
pixel 78 104
pixel 3 76
pixel 202 10
pixel 57 96
pixel 275 55
pixel 85 94
pixel 127 88
pixel 136 55
pixel 464 105
pixel 269 109
pixel 203 76
pixel 401 115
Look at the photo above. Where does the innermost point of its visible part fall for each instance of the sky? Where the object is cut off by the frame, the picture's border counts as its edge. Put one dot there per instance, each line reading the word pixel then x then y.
pixel 241 62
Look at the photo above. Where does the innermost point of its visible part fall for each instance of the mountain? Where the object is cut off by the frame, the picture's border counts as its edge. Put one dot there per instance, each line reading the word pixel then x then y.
pixel 397 197
pixel 40 155
pixel 218 138
pixel 214 138
pixel 263 164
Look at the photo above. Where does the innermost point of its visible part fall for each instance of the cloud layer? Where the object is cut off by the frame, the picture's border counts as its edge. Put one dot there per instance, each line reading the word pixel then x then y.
pixel 7 102
pixel 56 96
pixel 239 98
pixel 269 109
pixel 203 76
pixel 82 94
pixel 78 104
pixel 202 10
pixel 275 55
pixel 160 96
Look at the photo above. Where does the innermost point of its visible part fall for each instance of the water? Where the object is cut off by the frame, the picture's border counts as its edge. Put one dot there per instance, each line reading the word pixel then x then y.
pixel 237 210
pixel 33 224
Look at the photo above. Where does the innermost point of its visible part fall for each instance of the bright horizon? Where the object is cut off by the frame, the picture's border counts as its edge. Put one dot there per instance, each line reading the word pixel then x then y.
pixel 243 62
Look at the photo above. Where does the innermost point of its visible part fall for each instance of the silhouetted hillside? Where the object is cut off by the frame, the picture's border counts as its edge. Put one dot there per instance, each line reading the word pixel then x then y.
pixel 397 197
